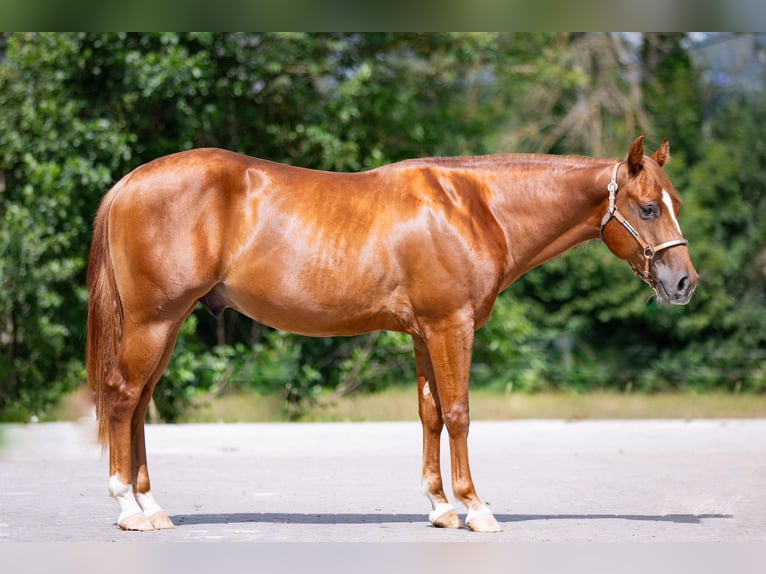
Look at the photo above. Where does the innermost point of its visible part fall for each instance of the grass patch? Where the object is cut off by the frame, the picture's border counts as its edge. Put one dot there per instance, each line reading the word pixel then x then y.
pixel 400 404
pixel 237 407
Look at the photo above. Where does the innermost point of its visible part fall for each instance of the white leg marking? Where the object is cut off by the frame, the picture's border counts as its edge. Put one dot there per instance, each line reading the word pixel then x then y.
pixel 669 204
pixel 481 511
pixel 148 504
pixel 123 494
pixel 426 389
pixel 439 508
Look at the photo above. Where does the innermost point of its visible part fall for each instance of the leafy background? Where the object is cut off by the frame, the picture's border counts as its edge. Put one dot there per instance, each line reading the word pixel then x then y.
pixel 78 110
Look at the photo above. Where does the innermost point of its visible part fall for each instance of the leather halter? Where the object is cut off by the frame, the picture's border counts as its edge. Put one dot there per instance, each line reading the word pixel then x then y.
pixel 649 250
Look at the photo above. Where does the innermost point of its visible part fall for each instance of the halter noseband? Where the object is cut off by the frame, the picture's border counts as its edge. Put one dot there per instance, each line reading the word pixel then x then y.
pixel 649 250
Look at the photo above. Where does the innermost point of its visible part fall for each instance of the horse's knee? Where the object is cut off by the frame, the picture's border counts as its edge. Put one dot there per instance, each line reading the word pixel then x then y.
pixel 457 420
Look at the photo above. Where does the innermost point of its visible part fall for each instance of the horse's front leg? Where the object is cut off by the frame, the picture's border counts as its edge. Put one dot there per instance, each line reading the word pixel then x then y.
pixel 450 350
pixel 442 512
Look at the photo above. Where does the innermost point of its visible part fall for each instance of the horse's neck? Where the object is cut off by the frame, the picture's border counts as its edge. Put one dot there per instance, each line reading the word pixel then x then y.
pixel 544 212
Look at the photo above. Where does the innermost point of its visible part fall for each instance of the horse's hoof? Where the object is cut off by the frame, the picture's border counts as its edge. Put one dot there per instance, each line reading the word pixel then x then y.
pixel 161 521
pixel 448 520
pixel 444 516
pixel 136 522
pixel 482 520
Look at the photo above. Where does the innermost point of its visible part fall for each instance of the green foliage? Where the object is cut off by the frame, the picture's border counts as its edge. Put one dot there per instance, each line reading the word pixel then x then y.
pixel 727 223
pixel 55 164
pixel 77 111
pixel 506 355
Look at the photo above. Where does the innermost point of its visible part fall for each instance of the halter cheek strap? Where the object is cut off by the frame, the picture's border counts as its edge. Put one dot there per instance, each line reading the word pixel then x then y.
pixel 649 250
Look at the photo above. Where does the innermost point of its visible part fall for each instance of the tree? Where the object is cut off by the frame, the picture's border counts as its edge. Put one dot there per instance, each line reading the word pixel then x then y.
pixel 727 220
pixel 77 111
pixel 80 110
pixel 55 162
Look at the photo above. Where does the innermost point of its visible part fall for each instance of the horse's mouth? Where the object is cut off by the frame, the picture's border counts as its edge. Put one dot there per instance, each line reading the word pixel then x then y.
pixel 678 295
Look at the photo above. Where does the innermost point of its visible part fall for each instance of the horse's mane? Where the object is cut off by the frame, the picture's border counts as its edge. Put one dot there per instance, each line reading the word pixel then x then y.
pixel 502 160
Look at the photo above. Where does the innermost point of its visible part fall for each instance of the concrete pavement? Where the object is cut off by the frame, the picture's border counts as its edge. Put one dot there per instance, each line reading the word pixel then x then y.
pixel 605 481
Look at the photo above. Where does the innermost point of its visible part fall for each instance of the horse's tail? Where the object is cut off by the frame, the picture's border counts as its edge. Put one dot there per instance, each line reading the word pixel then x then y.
pixel 105 316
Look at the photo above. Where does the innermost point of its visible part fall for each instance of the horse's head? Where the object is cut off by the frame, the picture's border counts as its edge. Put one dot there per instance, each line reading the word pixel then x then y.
pixel 641 224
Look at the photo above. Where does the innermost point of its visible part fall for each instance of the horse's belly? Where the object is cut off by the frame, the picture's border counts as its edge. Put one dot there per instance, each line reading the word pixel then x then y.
pixel 313 312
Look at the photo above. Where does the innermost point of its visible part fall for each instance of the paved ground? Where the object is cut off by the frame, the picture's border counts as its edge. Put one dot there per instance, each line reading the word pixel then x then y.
pixel 556 481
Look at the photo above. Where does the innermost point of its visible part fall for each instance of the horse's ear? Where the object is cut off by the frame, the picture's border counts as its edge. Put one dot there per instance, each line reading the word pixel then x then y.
pixel 635 157
pixel 662 155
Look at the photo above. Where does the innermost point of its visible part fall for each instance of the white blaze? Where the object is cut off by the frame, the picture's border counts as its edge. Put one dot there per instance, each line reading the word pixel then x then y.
pixel 669 203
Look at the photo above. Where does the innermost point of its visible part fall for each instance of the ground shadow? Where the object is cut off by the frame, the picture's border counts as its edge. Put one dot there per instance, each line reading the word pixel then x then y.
pixel 320 518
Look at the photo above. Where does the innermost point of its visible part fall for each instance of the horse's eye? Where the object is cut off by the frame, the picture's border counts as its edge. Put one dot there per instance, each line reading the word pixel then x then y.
pixel 648 211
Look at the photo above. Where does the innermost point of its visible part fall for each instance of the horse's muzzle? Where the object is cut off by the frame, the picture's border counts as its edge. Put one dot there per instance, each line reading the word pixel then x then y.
pixel 675 288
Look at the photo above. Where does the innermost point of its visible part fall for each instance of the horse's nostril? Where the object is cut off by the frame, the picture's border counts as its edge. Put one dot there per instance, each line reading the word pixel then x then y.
pixel 682 284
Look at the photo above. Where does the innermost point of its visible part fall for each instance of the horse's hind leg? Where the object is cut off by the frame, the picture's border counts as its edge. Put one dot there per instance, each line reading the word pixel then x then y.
pixel 141 483
pixel 143 347
pixel 443 513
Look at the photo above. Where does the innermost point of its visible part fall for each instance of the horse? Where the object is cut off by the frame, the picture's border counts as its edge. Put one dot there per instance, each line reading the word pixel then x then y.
pixel 422 246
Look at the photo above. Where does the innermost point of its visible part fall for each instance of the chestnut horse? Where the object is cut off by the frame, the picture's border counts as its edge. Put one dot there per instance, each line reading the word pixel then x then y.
pixel 422 247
